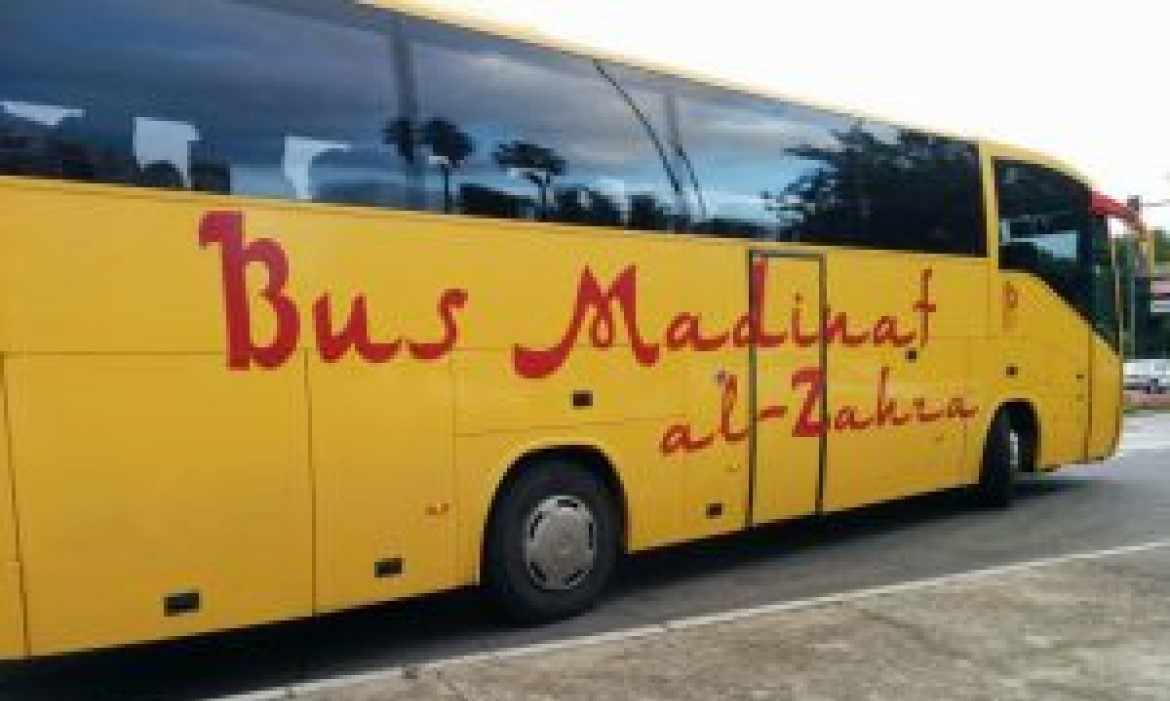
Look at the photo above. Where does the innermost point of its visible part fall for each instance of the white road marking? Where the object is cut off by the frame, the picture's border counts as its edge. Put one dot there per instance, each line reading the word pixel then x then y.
pixel 294 690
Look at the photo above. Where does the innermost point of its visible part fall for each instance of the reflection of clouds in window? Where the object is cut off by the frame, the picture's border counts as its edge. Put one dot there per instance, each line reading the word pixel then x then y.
pixel 299 154
pixel 551 134
pixel 501 98
pixel 883 133
pixel 172 97
pixel 610 154
pixel 45 115
pixel 750 132
pixel 614 188
pixel 171 56
pixel 490 83
pixel 157 141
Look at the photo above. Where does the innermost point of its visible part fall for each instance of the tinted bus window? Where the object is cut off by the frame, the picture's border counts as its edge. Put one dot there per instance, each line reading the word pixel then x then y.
pixel 919 192
pixel 766 170
pixel 1103 302
pixel 219 96
pixel 510 130
pixel 1044 227
pixel 770 170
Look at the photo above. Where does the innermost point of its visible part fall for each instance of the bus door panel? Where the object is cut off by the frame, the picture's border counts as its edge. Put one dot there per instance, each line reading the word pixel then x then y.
pixel 383 457
pixel 786 364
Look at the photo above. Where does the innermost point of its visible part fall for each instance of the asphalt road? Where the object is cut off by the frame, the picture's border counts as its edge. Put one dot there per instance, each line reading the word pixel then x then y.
pixel 1121 502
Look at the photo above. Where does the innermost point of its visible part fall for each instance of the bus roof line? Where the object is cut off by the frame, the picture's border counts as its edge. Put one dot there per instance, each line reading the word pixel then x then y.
pixel 421 9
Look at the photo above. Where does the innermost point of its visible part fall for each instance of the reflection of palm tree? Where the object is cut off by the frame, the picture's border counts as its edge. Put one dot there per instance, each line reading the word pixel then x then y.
pixel 450 149
pixel 400 133
pixel 537 164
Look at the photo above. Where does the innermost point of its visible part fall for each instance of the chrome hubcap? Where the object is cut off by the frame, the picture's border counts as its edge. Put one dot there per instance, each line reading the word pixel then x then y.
pixel 560 543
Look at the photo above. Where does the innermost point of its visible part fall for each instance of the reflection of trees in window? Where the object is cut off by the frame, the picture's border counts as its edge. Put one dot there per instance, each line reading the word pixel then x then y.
pixel 547 128
pixel 161 174
pixel 536 164
pixel 650 213
pixel 74 148
pixel 789 209
pixel 911 192
pixel 450 148
pixel 211 176
pixel 400 133
pixel 486 201
pixel 582 205
pixel 1044 228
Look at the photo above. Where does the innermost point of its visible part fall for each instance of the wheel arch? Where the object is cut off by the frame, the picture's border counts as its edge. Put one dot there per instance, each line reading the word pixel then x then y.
pixel 1024 415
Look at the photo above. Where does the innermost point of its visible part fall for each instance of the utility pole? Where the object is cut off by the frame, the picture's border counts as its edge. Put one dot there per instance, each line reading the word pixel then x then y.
pixel 1133 332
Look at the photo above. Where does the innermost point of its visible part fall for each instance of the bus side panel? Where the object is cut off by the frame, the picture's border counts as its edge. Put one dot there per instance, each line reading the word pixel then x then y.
pixel 383 442
pixel 12 633
pixel 160 496
pixel 709 485
pixel 589 342
pixel 1105 428
pixel 1046 356
pixel 901 411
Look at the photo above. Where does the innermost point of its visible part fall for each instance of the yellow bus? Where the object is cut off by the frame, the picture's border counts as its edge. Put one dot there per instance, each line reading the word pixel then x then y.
pixel 312 305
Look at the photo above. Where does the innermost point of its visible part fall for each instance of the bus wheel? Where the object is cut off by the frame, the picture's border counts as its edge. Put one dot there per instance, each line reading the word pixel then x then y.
pixel 1003 461
pixel 552 542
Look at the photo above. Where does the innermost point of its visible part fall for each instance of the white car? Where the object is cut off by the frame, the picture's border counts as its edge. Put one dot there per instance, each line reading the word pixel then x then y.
pixel 1152 376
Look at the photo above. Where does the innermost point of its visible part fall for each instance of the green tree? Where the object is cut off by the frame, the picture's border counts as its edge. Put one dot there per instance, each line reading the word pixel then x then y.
pixel 1158 336
pixel 1148 334
pixel 1161 245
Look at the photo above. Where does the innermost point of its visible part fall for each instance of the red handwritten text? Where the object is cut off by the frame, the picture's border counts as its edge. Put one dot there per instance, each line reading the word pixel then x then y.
pixel 681 437
pixel 334 340
pixel 812 420
pixel 600 309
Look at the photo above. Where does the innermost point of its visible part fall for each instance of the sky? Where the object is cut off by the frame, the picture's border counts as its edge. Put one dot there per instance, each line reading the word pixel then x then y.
pixel 1088 83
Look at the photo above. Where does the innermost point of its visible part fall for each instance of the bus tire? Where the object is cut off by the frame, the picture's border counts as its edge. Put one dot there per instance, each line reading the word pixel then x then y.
pixel 1002 462
pixel 552 542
